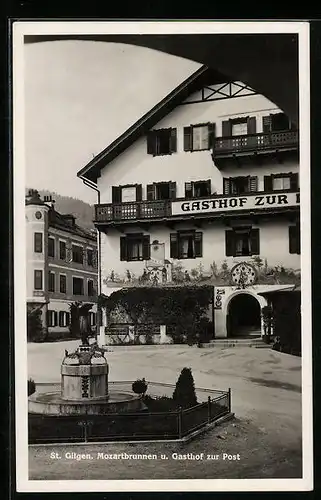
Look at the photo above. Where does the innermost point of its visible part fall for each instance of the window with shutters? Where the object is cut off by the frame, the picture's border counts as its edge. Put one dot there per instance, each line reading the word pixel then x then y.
pixel 51 281
pixel 276 122
pixel 242 242
pixel 281 182
pixel 134 247
pixel 77 286
pixel 239 126
pixel 295 239
pixel 63 283
pixel 186 244
pixel 52 318
pixel 128 193
pixel 63 318
pixel 198 189
pixel 38 243
pixel 162 142
pixel 91 288
pixel 199 137
pixel 77 254
pixel 51 246
pixel 240 185
pixel 62 250
pixel 38 281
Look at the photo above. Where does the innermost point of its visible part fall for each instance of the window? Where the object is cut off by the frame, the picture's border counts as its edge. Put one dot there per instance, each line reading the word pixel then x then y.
pixel 129 193
pixel 52 318
pixel 276 182
pixel 242 242
pixel 51 247
pixel 38 243
pixel 64 318
pixel 294 239
pixel 62 250
pixel 240 185
pixel 276 122
pixel 51 281
pixel 134 247
pixel 90 257
pixel 199 137
pixel 162 142
pixel 91 289
pixel 197 189
pixel 63 283
pixel 239 126
pixel 186 244
pixel 78 286
pixel 77 254
pixel 38 280
pixel 161 191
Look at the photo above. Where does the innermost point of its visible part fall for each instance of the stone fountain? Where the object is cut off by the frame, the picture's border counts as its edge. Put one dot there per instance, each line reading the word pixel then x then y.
pixel 84 387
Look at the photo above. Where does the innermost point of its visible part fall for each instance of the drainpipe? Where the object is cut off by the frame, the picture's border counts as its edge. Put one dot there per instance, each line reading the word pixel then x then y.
pixel 93 186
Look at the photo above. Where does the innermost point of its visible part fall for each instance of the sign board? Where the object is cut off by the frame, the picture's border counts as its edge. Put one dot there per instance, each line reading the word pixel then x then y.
pixel 232 203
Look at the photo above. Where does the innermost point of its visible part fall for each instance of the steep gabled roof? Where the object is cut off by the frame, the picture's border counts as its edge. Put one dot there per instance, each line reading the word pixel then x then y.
pixel 202 77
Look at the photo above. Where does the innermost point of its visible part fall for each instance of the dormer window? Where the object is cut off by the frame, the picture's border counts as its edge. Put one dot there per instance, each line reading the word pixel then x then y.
pixel 199 137
pixel 162 141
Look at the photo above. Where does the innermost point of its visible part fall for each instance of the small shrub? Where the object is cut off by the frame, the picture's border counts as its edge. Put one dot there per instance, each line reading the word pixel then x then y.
pixel 35 330
pixel 31 386
pixel 184 393
pixel 139 386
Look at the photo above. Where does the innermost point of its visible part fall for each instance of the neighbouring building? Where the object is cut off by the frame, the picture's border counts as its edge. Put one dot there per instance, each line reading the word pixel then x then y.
pixel 61 264
pixel 205 185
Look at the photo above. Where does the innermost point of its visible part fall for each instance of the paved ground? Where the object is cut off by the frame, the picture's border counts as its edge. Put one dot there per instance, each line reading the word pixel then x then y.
pixel 266 400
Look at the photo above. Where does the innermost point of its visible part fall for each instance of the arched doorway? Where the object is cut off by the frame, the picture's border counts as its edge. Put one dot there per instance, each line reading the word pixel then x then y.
pixel 243 316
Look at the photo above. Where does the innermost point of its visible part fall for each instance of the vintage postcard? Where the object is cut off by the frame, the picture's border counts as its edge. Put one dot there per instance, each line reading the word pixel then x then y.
pixel 162 256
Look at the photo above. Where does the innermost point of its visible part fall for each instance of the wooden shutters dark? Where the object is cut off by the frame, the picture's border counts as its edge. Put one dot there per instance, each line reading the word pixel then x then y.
pixel 172 190
pixel 267 124
pixel 211 135
pixel 255 241
pixel 174 246
pixel 173 140
pixel 123 248
pixel 229 243
pixel 139 192
pixel 251 125
pixel 116 194
pixel 188 189
pixel 226 128
pixel 146 247
pixel 226 186
pixel 294 181
pixel 198 244
pixel 151 142
pixel 55 319
pixel 268 183
pixel 151 192
pixel 294 239
pixel 187 138
pixel 253 184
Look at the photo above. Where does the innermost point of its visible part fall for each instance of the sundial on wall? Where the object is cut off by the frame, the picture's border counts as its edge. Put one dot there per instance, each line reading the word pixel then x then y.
pixel 243 274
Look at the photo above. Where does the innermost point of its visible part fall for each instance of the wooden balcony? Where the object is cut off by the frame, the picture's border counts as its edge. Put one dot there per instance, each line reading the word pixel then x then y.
pixel 255 144
pixel 133 211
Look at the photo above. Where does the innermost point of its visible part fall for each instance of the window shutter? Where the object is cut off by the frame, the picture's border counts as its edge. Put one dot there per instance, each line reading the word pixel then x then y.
pixel 116 194
pixel 146 247
pixel 151 143
pixel 172 190
pixel 123 248
pixel 48 318
pixel 187 138
pixel 294 181
pixel 139 194
pixel 61 318
pixel 268 183
pixel 251 125
pixel 255 241
pixel 173 140
pixel 150 192
pixel 226 128
pixel 294 239
pixel 226 185
pixel 211 135
pixel 55 318
pixel 67 318
pixel 266 124
pixel 229 243
pixel 188 189
pixel 198 244
pixel 173 246
pixel 253 184
pixel 209 187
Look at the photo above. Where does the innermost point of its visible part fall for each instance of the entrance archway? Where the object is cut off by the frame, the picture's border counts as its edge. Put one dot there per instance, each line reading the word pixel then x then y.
pixel 243 317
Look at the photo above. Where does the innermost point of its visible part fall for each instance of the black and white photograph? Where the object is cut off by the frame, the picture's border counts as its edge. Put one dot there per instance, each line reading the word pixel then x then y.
pixel 162 256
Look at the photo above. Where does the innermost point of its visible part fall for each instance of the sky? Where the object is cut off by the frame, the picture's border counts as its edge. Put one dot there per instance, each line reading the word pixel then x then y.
pixel 79 97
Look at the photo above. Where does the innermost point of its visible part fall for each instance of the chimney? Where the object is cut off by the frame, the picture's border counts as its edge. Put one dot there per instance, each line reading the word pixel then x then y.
pixel 49 201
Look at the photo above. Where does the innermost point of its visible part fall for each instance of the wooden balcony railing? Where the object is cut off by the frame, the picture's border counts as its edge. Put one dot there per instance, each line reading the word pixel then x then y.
pixel 117 212
pixel 224 146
